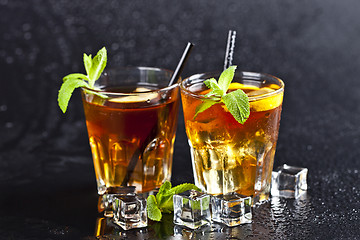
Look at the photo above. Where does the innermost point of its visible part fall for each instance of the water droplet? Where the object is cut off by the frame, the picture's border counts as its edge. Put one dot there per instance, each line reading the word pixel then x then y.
pixel 27 36
pixel 136 15
pixel 26 27
pixel 148 101
pixel 4 2
pixel 9 60
pixel 9 125
pixel 198 57
pixel 161 28
pixel 29 77
pixel 115 46
pixel 18 51
pixel 3 108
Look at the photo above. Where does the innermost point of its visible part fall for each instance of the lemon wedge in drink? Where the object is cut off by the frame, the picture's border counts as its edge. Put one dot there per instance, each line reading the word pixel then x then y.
pixel 141 94
pixel 257 96
pixel 260 102
pixel 245 88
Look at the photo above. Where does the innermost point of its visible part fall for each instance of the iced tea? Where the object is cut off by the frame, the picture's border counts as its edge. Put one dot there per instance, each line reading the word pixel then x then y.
pixel 226 155
pixel 132 133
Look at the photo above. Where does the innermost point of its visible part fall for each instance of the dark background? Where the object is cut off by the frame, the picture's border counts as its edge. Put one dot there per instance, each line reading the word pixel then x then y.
pixel 47 182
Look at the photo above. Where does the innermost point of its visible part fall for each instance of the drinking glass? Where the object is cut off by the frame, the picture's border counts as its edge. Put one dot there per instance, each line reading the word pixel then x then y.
pixel 131 122
pixel 228 156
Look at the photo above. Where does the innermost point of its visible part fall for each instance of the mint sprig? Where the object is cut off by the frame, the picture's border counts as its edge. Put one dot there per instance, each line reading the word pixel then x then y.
pixel 163 201
pixel 93 67
pixel 237 102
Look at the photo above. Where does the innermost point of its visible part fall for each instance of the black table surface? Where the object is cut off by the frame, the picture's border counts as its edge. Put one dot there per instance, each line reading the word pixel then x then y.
pixel 47 181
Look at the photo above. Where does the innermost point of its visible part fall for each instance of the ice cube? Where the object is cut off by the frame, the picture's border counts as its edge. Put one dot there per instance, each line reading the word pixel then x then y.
pixel 129 211
pixel 289 181
pixel 231 209
pixel 154 163
pixel 105 203
pixel 192 209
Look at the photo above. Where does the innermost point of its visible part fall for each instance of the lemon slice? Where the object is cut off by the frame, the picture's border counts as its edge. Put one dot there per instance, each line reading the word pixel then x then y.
pixel 236 85
pixel 260 91
pixel 268 103
pixel 143 97
pixel 142 89
pixel 274 86
pixel 262 104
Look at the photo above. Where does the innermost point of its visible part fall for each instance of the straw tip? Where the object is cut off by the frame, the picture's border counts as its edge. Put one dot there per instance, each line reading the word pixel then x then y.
pixel 190 44
pixel 181 64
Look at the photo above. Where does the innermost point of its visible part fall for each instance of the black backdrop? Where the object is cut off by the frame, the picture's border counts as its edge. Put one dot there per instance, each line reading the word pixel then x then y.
pixel 46 176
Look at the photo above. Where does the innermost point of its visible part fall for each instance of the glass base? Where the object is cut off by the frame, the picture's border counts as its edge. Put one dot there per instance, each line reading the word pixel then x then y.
pixel 261 198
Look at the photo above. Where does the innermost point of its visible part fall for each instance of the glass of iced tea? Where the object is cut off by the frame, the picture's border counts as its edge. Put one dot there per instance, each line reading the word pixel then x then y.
pixel 228 156
pixel 131 123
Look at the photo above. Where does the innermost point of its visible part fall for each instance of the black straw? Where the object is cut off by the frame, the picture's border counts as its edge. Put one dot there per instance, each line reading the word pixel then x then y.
pixel 229 49
pixel 181 64
pixel 138 153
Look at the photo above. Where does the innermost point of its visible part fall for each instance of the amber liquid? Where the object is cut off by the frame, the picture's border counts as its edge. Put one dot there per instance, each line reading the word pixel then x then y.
pixel 228 156
pixel 132 141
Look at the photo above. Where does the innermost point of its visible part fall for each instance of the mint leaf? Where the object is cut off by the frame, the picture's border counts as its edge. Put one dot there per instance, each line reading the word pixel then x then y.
pixel 238 104
pixel 167 205
pixel 226 77
pixel 98 65
pixel 75 76
pixel 163 229
pixel 208 82
pixel 215 88
pixel 66 90
pixel 184 187
pixel 94 67
pixel 163 201
pixel 203 106
pixel 153 211
pixel 215 93
pixel 162 196
pixel 166 186
pixel 212 84
pixel 87 63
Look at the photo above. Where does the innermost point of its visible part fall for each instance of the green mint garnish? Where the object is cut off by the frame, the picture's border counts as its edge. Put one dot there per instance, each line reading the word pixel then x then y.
pixel 163 202
pixel 153 210
pixel 93 66
pixel 163 229
pixel 237 102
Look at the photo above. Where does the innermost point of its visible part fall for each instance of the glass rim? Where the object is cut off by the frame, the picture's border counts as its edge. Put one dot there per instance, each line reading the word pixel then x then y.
pixel 140 68
pixel 251 75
